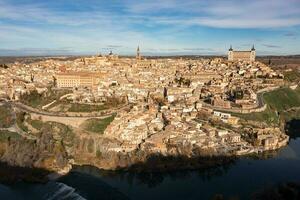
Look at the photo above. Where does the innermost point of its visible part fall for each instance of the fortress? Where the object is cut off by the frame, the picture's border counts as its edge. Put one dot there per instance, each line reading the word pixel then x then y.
pixel 241 55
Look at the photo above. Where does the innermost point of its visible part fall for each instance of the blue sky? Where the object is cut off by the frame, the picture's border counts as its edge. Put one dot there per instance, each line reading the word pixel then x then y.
pixel 201 27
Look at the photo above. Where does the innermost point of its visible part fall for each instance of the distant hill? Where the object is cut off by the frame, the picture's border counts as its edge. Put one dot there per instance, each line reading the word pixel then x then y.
pixel 30 59
pixel 290 61
pixel 281 62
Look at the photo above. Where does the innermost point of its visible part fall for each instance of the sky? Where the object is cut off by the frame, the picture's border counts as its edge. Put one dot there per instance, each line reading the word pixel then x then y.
pixel 159 27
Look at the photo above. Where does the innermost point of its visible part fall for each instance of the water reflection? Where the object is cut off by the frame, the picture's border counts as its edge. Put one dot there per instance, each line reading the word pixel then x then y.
pixel 282 191
pixel 154 179
pixel 91 187
pixel 293 128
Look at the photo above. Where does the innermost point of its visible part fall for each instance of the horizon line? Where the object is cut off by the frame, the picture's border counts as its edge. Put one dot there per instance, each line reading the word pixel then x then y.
pixel 132 55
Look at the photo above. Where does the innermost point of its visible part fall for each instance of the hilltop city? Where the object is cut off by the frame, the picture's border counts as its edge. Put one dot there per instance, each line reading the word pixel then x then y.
pixel 113 112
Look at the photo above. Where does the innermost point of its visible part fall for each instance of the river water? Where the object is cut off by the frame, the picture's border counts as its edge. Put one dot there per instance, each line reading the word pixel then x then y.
pixel 238 180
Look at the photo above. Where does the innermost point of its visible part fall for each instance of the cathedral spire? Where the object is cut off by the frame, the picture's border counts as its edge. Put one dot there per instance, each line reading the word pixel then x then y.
pixel 253 49
pixel 138 53
pixel 230 49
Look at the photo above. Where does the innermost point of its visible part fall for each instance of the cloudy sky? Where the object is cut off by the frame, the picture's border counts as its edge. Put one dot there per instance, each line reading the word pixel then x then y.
pixel 202 27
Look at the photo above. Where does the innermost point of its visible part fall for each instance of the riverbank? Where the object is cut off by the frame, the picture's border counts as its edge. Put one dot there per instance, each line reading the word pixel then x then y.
pixel 155 164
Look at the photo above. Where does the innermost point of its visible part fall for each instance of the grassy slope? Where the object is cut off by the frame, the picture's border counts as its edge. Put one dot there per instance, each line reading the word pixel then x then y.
pixel 4 135
pixel 75 107
pixel 292 76
pixel 97 125
pixel 36 100
pixel 278 101
pixel 37 124
pixel 283 99
pixel 269 116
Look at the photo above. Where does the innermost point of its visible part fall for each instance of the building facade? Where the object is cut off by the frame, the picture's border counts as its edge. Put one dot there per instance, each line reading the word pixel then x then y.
pixel 77 79
pixel 241 55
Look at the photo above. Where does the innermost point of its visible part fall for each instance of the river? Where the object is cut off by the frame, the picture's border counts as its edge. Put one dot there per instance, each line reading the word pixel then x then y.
pixel 238 180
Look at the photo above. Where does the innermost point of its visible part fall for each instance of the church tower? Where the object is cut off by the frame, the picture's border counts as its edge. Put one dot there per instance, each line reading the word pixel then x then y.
pixel 230 54
pixel 138 53
pixel 253 54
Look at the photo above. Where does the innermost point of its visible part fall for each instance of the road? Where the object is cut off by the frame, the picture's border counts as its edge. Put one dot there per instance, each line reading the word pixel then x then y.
pixel 259 100
pixel 74 120
pixel 29 109
pixel 15 128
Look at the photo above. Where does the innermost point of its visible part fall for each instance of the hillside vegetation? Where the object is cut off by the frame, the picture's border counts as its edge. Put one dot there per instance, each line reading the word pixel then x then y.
pixel 97 125
pixel 36 100
pixel 283 99
pixel 279 102
pixel 292 76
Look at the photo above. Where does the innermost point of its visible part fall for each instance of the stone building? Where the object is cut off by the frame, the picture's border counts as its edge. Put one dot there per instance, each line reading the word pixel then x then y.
pixel 219 102
pixel 241 55
pixel 77 79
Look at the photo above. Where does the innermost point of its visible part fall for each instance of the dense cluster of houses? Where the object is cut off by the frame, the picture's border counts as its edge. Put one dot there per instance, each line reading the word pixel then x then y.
pixel 167 96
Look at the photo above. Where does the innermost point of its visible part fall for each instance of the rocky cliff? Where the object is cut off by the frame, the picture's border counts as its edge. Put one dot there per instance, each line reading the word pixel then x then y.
pixel 46 152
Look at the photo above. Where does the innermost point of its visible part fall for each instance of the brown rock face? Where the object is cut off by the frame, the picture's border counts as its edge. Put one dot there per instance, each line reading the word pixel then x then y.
pixel 45 153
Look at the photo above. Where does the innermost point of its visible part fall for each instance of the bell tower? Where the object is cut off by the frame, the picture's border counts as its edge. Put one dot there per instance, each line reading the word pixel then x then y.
pixel 138 53
pixel 230 54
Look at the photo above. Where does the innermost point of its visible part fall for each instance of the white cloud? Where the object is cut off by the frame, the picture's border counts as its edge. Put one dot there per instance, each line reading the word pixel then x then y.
pixel 91 29
pixel 223 14
pixel 246 22
pixel 216 13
